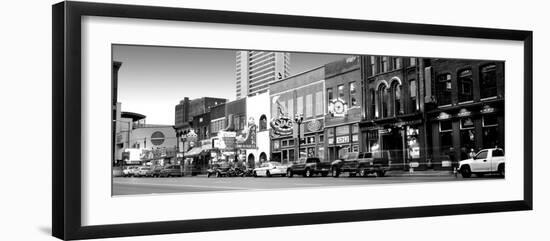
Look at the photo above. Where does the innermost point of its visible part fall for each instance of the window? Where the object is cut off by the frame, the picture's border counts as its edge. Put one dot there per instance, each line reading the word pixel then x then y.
pixel 373 65
pixel 342 130
pixel 413 89
pixel 465 85
pixel 353 94
pixel 488 81
pixel 385 64
pixel 444 89
pixel 446 135
pixel 498 152
pixel 330 95
pixel 319 103
pixel 341 92
pixel 321 138
pixel 263 123
pixel 396 97
pixel 309 105
pixel 372 104
pixel 290 107
pixel 300 105
pixel 372 141
pixel 396 63
pixel 481 155
pixel 412 61
pixel 383 105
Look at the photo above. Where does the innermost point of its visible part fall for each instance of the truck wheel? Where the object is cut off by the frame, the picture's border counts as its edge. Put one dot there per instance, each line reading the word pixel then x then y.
pixel 289 173
pixel 254 174
pixel 335 172
pixel 501 170
pixel 308 173
pixel 465 172
pixel 208 175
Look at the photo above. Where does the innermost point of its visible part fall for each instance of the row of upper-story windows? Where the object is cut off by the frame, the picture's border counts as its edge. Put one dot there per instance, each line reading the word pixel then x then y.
pixel 340 93
pixel 487 84
pixel 382 64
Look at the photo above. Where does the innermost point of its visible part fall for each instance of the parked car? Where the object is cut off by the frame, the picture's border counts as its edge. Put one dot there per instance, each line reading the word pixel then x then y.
pixel 171 171
pixel 154 171
pixel 142 171
pixel 129 171
pixel 485 161
pixel 269 169
pixel 309 167
pixel 362 164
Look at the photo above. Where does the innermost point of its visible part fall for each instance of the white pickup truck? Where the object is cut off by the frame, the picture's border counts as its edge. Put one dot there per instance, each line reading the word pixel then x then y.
pixel 485 161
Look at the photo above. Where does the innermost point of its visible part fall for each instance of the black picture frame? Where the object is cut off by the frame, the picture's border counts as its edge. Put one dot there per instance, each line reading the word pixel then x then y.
pixel 66 119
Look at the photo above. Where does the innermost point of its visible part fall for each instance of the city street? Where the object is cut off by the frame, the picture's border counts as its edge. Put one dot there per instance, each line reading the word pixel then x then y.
pixel 131 186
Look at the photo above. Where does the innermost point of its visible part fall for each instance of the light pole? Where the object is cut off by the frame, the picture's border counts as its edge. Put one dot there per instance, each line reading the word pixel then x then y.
pixel 298 119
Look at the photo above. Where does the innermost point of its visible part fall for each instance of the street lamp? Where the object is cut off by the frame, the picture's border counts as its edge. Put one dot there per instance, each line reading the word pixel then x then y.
pixel 298 119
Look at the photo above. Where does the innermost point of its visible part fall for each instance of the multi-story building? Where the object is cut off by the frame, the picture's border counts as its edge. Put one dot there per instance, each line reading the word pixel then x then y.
pixel 154 143
pixel 301 94
pixel 394 124
pixel 258 115
pixel 255 70
pixel 465 107
pixel 185 111
pixel 344 101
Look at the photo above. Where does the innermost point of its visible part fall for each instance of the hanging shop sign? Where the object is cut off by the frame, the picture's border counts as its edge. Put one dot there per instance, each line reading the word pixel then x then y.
pixel 282 125
pixel 464 112
pixel 342 139
pixel 247 138
pixel 338 108
pixel 313 126
pixel 443 116
pixel 487 109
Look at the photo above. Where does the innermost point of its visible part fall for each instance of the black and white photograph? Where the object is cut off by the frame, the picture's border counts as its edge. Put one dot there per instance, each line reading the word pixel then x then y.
pixel 231 120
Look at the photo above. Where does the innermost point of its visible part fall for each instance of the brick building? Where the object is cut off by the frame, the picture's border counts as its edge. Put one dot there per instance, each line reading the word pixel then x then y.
pixel 344 111
pixel 300 94
pixel 394 123
pixel 465 108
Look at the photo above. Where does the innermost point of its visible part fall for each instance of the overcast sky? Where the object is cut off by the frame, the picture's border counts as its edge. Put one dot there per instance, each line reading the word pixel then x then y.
pixel 152 80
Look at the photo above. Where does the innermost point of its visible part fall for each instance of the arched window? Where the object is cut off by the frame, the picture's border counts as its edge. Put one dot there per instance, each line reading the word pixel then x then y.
pixel 372 104
pixel 383 102
pixel 396 98
pixel 465 85
pixel 263 123
pixel 488 81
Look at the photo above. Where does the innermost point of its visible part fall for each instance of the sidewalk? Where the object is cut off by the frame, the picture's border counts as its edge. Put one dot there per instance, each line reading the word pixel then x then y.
pixel 426 173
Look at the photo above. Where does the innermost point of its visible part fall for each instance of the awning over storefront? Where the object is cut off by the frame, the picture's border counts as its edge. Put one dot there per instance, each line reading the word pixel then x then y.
pixel 193 152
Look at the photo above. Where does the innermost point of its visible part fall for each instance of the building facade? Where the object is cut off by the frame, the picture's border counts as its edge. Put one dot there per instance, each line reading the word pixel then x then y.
pixel 258 115
pixel 465 107
pixel 154 144
pixel 255 70
pixel 343 107
pixel 298 95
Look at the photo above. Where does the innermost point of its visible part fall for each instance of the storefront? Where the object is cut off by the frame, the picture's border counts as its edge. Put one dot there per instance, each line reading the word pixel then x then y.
pixel 460 131
pixel 341 140
pixel 399 139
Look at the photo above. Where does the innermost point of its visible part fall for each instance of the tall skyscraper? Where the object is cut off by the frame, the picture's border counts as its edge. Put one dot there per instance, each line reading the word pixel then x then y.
pixel 256 69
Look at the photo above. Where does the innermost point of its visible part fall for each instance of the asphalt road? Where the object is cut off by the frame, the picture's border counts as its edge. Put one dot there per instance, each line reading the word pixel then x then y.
pixel 143 185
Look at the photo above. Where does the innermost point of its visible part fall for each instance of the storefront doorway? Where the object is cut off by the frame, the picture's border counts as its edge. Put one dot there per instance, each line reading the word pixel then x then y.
pixel 251 162
pixel 393 142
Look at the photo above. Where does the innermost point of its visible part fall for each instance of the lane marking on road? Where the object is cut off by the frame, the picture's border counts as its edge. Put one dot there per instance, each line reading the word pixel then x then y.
pixel 187 185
